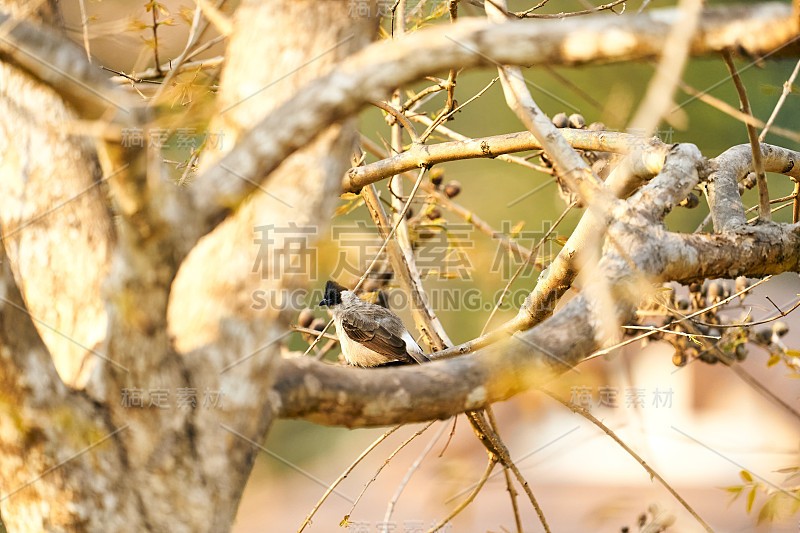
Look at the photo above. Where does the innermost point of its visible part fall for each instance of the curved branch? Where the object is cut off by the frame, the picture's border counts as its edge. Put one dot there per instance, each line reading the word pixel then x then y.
pixel 727 210
pixel 371 74
pixel 343 396
pixel 55 60
pixel 420 155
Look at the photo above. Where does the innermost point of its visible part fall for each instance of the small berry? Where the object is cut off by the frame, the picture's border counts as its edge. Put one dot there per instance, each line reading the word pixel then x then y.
pixel 560 120
pixel 452 189
pixel 318 324
pixel 437 175
pixel 305 318
pixel 577 121
pixel 691 201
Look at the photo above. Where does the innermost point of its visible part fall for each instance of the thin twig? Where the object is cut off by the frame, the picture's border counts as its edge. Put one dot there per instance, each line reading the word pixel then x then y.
pixel 468 500
pixel 784 206
pixel 85 27
pixel 386 462
pixel 301 329
pixel 577 90
pixel 377 255
pixel 735 113
pixel 450 104
pixel 664 329
pixel 413 99
pixel 466 214
pixel 530 259
pixel 512 494
pixel 150 75
pixel 758 164
pixel 399 116
pixel 413 468
pixel 748 378
pixel 495 445
pixel 796 202
pixel 154 8
pixel 128 77
pixel 661 88
pixel 206 45
pixel 344 474
pixel 194 34
pixel 787 88
pixel 604 351
pixel 447 114
pixel 605 7
pixel 653 474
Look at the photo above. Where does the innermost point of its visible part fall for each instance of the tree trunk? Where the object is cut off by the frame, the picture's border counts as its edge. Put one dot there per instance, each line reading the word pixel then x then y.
pixel 123 447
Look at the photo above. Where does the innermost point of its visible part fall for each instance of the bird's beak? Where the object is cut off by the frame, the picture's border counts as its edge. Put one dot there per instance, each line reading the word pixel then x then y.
pixel 323 303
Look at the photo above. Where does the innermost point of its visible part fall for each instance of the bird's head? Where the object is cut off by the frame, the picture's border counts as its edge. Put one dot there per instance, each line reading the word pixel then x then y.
pixel 333 294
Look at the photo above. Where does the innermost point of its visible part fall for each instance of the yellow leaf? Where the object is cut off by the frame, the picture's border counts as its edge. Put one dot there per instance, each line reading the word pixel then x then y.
pixel 349 196
pixel 773 360
pixel 750 499
pixel 747 476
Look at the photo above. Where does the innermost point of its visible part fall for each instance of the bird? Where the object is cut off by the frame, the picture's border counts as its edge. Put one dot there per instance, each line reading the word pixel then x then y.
pixel 370 335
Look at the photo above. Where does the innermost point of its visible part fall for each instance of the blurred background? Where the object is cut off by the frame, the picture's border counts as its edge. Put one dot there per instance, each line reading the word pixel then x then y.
pixel 699 425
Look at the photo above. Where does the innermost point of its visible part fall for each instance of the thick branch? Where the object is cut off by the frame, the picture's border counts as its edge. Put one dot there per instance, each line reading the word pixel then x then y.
pixel 336 395
pixel 757 29
pixel 634 169
pixel 55 60
pixel 731 166
pixel 420 155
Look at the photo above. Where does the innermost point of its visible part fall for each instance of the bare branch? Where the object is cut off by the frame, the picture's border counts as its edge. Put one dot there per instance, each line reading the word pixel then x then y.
pixel 419 155
pixel 758 165
pixel 653 474
pixel 58 62
pixel 787 88
pixel 732 165
pixel 660 91
pixel 383 66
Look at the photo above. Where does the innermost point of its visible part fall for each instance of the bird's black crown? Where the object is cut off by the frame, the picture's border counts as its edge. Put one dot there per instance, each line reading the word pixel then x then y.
pixel 333 294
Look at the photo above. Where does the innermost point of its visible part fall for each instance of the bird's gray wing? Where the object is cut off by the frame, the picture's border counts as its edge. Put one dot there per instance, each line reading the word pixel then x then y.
pixel 363 326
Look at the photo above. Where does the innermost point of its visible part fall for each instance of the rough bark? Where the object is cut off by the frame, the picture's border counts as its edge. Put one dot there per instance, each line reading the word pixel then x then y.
pixel 157 309
pixel 174 328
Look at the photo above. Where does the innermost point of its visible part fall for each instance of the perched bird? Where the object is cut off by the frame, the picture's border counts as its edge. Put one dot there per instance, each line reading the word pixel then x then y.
pixel 370 335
